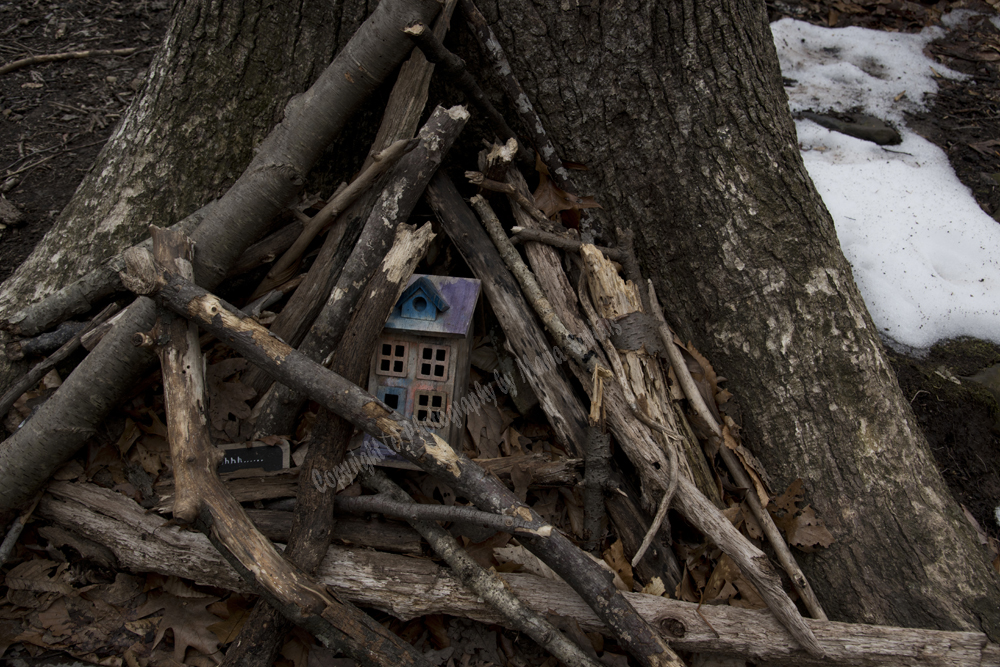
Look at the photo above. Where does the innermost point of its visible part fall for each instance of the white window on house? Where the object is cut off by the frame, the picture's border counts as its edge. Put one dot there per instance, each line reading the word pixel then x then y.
pixel 429 407
pixel 392 358
pixel 432 363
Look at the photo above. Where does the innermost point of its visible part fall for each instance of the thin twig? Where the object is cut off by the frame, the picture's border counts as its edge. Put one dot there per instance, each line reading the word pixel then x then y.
pixel 529 284
pixel 602 336
pixel 526 234
pixel 49 157
pixel 478 178
pixel 67 55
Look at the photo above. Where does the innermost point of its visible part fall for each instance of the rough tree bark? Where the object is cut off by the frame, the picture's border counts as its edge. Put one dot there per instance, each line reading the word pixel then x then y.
pixel 223 65
pixel 678 110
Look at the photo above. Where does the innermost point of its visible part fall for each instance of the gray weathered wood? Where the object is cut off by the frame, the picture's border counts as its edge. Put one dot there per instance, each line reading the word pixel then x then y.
pixel 414 587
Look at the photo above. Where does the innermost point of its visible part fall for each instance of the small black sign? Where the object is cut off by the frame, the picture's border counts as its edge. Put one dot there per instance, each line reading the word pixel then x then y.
pixel 257 455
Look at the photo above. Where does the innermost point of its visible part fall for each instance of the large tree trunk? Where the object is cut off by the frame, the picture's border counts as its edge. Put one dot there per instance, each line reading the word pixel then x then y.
pixel 678 110
pixel 214 90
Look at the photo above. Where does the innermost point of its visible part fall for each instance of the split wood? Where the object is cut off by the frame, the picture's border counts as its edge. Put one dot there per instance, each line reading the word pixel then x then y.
pixel 66 55
pixel 689 500
pixel 311 121
pixel 201 498
pixel 145 542
pixel 421 447
pixel 526 339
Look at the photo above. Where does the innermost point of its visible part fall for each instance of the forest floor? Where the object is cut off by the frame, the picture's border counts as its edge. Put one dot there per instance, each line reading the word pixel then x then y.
pixel 55 118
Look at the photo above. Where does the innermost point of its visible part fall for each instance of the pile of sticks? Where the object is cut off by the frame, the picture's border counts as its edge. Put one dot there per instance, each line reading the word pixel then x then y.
pixel 319 348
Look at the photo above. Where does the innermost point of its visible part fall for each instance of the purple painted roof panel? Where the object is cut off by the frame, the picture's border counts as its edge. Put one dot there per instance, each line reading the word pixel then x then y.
pixel 460 293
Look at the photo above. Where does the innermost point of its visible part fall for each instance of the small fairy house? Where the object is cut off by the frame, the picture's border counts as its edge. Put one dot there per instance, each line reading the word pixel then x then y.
pixel 421 362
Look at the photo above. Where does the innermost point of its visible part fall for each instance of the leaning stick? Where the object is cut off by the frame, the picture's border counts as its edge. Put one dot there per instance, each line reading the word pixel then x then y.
pixel 763 517
pixel 38 371
pixel 311 121
pixel 690 501
pixel 489 587
pixel 285 267
pixel 200 496
pixel 454 68
pixel 277 409
pixel 422 447
pixel 66 55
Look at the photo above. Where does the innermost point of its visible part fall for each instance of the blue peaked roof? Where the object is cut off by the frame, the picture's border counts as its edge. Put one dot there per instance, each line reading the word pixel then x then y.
pixel 457 295
pixel 430 291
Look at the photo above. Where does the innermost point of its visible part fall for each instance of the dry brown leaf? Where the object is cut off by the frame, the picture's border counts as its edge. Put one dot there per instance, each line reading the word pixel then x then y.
pixel 189 621
pixel 513 442
pixel 807 532
pixel 234 611
pixel 551 200
pixel 486 426
pixel 520 476
pixel 574 509
pixel 227 401
pixel 720 583
pixel 685 589
pixel 614 556
pixel 654 587
pixel 802 528
pixel 33 575
pixel 129 435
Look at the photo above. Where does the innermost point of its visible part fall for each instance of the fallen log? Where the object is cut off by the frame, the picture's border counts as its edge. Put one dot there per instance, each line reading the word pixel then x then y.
pixel 409 587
